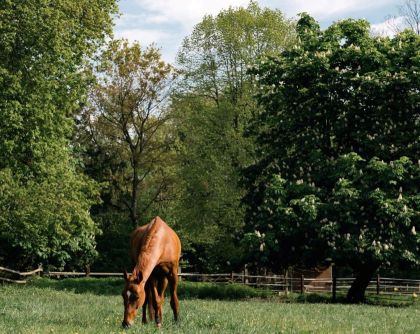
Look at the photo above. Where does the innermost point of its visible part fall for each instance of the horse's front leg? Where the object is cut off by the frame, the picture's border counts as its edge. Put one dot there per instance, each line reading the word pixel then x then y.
pixel 144 309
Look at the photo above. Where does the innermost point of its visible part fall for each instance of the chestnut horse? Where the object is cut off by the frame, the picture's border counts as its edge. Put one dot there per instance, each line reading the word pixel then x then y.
pixel 155 250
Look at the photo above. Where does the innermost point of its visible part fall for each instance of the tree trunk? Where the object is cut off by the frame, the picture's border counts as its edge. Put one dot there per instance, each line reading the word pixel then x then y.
pixel 357 290
pixel 134 190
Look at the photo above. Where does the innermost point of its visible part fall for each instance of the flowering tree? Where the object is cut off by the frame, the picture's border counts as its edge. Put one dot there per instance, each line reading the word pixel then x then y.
pixel 338 172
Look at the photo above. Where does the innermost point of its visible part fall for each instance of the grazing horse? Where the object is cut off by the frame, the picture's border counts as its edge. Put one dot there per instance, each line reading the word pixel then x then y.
pixel 155 250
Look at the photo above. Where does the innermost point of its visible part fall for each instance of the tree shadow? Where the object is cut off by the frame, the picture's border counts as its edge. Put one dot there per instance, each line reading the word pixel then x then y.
pixel 373 300
pixel 97 286
pixel 192 290
pixel 186 290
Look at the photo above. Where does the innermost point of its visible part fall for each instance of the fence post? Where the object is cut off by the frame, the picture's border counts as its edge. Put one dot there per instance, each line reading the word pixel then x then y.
pixel 334 289
pixel 87 270
pixel 246 280
pixel 302 286
pixel 378 284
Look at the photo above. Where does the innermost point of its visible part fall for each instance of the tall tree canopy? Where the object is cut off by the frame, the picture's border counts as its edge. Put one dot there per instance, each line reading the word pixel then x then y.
pixel 125 130
pixel 212 107
pixel 338 146
pixel 45 201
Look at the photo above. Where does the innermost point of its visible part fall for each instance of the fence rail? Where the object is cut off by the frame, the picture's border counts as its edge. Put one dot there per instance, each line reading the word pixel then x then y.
pixel 13 276
pixel 276 283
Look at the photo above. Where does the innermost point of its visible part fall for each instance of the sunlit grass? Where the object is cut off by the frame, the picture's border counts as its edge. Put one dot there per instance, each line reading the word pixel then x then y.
pixel 70 307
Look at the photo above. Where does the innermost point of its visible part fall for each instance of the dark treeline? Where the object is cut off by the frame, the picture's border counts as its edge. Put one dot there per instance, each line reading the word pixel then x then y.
pixel 269 143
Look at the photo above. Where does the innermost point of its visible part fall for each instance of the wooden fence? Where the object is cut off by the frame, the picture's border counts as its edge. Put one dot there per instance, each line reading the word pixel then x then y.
pixel 276 283
pixel 13 276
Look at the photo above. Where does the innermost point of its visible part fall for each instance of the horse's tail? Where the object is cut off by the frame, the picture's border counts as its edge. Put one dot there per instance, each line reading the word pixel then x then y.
pixel 151 231
pixel 153 225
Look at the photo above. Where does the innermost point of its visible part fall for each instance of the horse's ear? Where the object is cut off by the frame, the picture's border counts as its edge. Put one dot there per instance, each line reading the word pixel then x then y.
pixel 125 275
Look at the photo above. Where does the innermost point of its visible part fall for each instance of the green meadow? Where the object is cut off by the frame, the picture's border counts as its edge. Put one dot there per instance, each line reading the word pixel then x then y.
pixel 95 306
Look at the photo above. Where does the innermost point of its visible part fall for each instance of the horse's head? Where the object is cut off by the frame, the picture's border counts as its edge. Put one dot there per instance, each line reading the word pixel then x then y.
pixel 133 296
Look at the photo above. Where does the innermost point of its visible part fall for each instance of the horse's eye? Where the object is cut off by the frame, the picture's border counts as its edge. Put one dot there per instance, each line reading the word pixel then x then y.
pixel 133 297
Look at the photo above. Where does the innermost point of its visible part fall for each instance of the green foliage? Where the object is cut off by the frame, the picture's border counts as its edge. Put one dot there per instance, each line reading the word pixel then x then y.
pixel 45 200
pixel 207 211
pixel 212 106
pixel 338 173
pixel 43 47
pixel 47 222
pixel 215 57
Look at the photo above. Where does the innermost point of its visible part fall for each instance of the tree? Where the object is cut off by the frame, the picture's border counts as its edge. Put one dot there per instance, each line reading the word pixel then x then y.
pixel 409 17
pixel 212 106
pixel 338 141
pixel 215 57
pixel 125 130
pixel 45 200
pixel 410 11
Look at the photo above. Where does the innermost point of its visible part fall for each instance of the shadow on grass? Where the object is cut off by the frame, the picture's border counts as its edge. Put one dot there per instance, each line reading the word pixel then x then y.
pixel 374 300
pixel 186 290
pixel 227 291
pixel 206 290
pixel 97 286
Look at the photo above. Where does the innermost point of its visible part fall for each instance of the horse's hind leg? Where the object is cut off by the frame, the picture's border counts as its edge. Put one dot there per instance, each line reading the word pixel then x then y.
pixel 157 303
pixel 173 286
pixel 162 284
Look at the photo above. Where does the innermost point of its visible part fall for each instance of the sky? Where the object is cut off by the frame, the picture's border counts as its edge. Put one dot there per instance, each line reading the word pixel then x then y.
pixel 167 22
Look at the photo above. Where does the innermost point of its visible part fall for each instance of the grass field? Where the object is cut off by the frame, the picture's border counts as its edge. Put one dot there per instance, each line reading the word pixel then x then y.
pixel 95 306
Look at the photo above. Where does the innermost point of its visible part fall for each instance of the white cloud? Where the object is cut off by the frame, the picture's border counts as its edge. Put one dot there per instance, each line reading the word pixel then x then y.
pixel 389 27
pixel 185 12
pixel 190 12
pixel 167 22
pixel 144 36
pixel 322 9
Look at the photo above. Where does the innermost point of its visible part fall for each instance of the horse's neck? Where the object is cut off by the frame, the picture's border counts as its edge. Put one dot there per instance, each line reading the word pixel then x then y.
pixel 146 262
pixel 149 252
